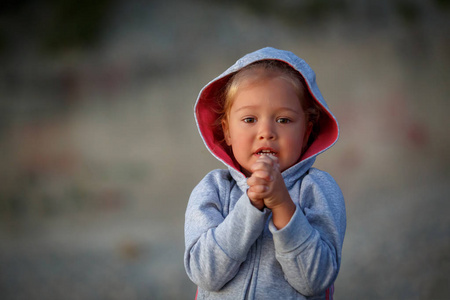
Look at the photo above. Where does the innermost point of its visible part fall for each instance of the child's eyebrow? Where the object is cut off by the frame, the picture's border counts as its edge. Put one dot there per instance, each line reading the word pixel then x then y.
pixel 289 109
pixel 245 107
pixel 253 107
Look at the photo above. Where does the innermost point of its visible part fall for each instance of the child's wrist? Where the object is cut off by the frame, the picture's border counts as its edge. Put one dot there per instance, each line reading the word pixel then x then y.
pixel 282 213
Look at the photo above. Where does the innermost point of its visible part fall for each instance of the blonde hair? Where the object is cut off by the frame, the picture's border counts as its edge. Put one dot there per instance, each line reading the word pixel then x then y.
pixel 265 69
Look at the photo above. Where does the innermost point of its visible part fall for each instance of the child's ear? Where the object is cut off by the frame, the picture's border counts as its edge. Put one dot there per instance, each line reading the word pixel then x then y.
pixel 226 131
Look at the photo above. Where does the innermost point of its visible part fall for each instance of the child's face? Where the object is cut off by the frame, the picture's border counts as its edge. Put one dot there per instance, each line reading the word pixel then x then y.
pixel 266 118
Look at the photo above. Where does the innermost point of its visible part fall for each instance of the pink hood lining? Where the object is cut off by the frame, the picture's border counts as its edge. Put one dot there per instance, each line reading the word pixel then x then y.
pixel 206 113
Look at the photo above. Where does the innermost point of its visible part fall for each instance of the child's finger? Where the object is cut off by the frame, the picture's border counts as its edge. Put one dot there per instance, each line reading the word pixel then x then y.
pixel 263 174
pixel 258 165
pixel 268 159
pixel 257 192
pixel 274 162
pixel 262 166
pixel 258 189
pixel 255 198
pixel 266 162
pixel 258 180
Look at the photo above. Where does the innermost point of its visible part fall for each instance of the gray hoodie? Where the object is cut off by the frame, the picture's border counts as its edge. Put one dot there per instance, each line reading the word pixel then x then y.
pixel 233 250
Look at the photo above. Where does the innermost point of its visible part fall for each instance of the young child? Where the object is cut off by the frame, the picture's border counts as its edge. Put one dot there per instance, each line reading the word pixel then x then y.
pixel 270 226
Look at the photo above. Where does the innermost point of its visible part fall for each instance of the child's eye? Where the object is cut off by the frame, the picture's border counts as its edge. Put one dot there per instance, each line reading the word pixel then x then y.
pixel 249 120
pixel 283 120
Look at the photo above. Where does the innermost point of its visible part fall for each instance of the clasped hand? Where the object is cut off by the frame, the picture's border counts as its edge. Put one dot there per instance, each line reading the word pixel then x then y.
pixel 266 185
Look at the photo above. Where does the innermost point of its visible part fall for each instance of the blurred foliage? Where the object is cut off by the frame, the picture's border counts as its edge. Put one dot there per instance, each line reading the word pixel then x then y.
pixel 408 11
pixel 51 25
pixel 294 12
pixel 443 4
pixel 57 25
pixel 301 12
pixel 74 23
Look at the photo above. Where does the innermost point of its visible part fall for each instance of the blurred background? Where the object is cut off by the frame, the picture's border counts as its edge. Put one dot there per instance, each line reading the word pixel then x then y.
pixel 99 150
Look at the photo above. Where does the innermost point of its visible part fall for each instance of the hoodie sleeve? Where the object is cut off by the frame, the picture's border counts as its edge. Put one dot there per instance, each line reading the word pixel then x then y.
pixel 216 245
pixel 309 247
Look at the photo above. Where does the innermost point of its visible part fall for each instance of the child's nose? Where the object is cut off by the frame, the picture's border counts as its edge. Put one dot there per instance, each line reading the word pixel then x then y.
pixel 266 131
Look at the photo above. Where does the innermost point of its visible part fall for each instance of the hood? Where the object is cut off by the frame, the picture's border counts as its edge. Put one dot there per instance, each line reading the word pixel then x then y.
pixel 207 107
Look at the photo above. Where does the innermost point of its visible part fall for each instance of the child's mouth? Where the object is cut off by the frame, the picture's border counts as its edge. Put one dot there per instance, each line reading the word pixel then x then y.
pixel 266 152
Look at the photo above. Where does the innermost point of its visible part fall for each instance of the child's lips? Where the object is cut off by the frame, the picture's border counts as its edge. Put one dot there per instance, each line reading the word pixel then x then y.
pixel 266 151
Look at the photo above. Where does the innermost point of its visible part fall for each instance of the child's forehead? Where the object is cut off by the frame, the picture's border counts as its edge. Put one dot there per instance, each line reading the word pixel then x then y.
pixel 256 76
pixel 267 76
pixel 275 91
